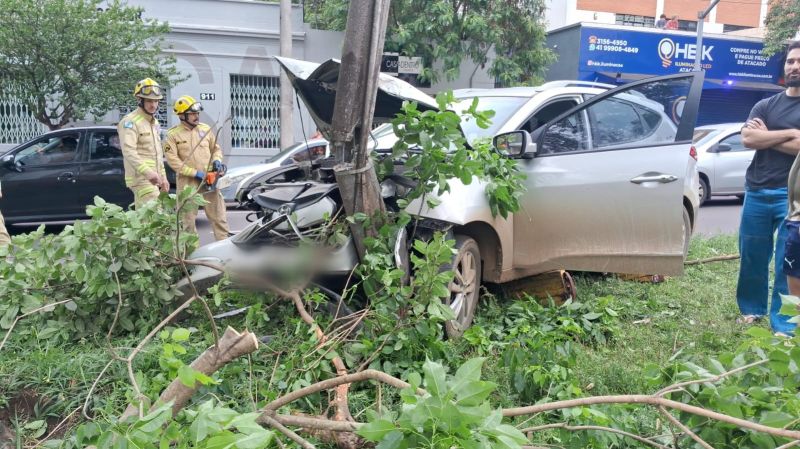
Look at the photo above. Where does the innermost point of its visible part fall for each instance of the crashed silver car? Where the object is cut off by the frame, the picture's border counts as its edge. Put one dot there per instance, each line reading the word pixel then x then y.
pixel 611 185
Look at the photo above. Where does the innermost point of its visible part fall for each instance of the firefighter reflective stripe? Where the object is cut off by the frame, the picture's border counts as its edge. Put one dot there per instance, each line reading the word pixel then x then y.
pixel 144 191
pixel 145 166
pixel 188 171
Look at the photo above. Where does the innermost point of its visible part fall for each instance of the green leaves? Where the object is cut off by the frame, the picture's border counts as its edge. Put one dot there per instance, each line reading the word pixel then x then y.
pixel 451 32
pixel 80 266
pixel 93 71
pixel 454 414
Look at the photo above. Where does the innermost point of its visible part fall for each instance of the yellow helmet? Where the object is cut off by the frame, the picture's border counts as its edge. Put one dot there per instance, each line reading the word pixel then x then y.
pixel 186 104
pixel 148 88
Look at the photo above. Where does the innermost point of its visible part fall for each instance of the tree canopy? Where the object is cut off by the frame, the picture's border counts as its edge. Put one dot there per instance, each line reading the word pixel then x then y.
pixel 782 22
pixel 510 35
pixel 67 59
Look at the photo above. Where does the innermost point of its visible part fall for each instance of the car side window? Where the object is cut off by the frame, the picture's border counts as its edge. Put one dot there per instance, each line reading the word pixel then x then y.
pixel 735 142
pixel 50 150
pixel 642 115
pixel 547 113
pixel 615 122
pixel 104 145
pixel 568 135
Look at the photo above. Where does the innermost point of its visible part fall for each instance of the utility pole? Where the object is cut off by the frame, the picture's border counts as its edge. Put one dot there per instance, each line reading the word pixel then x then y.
pixel 701 17
pixel 353 109
pixel 286 115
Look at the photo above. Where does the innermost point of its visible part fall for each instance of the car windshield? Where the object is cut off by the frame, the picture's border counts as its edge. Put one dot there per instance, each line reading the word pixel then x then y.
pixel 287 152
pixel 383 137
pixel 702 136
pixel 503 107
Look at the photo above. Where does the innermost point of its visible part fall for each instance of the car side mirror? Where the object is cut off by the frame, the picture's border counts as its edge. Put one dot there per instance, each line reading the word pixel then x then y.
pixel 515 144
pixel 722 147
pixel 9 162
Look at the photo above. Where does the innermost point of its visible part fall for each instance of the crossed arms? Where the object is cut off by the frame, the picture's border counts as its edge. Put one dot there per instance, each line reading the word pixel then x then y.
pixel 756 135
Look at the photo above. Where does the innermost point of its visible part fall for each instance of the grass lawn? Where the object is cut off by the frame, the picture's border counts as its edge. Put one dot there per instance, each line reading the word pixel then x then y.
pixel 693 314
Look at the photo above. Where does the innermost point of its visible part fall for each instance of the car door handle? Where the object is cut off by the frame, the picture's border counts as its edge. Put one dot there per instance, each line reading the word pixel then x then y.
pixel 66 176
pixel 654 177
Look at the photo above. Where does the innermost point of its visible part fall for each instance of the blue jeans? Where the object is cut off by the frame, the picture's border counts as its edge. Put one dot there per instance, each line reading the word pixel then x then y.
pixel 763 212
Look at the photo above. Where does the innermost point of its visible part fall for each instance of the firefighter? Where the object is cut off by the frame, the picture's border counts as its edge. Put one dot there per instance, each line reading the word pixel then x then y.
pixel 140 136
pixel 192 151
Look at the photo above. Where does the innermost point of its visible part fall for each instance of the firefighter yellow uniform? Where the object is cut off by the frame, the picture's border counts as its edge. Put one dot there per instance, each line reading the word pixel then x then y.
pixel 140 137
pixel 5 239
pixel 188 152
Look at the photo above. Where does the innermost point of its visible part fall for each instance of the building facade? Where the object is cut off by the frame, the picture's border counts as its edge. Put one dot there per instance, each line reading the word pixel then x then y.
pixel 737 75
pixel 228 49
pixel 729 15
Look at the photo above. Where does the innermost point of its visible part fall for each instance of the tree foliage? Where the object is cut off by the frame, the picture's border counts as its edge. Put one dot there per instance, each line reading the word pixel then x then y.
pixel 67 59
pixel 782 22
pixel 508 34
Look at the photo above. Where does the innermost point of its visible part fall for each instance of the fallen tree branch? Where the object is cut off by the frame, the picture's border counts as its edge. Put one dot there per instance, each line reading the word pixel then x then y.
pixel 565 426
pixel 654 401
pixel 369 374
pixel 679 386
pixel 288 432
pixel 684 428
pixel 16 320
pixel 231 346
pixel 712 259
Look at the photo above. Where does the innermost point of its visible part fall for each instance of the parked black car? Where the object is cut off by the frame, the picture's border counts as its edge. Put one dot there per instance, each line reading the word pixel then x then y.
pixel 53 177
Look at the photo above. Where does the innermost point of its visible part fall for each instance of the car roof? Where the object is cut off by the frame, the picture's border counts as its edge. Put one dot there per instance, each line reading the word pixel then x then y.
pixel 721 126
pixel 527 92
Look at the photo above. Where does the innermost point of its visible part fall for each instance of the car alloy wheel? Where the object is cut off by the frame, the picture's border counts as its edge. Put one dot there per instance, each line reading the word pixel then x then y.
pixel 704 191
pixel 465 286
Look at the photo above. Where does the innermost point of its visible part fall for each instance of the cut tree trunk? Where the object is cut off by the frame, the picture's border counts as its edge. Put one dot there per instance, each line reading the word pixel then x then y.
pixel 232 345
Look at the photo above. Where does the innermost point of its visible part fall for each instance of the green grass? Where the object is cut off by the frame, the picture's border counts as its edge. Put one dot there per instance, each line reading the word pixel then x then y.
pixel 693 314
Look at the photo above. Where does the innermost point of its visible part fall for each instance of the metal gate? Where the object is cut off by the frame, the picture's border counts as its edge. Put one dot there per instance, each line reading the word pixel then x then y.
pixel 255 111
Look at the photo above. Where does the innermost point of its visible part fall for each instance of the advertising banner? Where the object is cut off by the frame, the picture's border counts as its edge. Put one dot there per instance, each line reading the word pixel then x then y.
pixel 663 53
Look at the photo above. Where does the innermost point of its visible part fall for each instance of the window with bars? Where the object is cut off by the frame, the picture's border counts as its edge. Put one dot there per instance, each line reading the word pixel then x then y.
pixel 255 111
pixel 17 124
pixel 635 21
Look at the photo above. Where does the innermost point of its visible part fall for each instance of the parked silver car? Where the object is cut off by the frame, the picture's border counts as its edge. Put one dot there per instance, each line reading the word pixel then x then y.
pixel 611 184
pixel 311 149
pixel 722 159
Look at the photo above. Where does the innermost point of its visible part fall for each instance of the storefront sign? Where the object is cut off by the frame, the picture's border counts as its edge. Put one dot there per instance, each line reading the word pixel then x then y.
pixel 662 53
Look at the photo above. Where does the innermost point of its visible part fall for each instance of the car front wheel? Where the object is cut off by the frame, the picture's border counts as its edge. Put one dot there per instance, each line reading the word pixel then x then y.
pixel 465 286
pixel 705 190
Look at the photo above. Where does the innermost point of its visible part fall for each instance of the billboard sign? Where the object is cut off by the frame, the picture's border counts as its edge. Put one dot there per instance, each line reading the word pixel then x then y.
pixel 663 53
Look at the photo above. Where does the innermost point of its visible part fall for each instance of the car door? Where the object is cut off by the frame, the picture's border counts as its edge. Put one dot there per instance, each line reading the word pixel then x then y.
pixel 731 159
pixel 605 189
pixel 103 173
pixel 41 185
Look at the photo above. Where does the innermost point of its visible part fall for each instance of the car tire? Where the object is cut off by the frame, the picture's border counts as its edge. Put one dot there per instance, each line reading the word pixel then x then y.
pixel 687 232
pixel 705 190
pixel 465 286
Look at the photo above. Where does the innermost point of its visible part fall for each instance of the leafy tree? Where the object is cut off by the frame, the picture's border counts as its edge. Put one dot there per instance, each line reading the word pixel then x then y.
pixel 67 59
pixel 448 32
pixel 782 22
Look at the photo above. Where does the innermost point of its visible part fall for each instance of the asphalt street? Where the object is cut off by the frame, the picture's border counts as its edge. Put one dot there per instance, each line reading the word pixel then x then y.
pixel 717 216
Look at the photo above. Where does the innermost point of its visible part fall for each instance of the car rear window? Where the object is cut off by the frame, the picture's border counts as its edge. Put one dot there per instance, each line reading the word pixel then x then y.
pixel 701 134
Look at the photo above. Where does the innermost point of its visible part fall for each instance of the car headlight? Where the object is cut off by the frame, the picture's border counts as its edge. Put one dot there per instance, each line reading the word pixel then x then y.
pixel 238 178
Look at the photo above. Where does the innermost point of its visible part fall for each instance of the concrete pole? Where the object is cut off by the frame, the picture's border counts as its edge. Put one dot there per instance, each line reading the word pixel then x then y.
pixel 287 93
pixel 701 17
pixel 353 109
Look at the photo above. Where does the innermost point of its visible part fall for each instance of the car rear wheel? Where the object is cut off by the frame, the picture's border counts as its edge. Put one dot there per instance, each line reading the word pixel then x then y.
pixel 465 286
pixel 687 232
pixel 705 191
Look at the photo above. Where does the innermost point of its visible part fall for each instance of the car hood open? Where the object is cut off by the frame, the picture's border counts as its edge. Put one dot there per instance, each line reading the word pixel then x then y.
pixel 316 85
